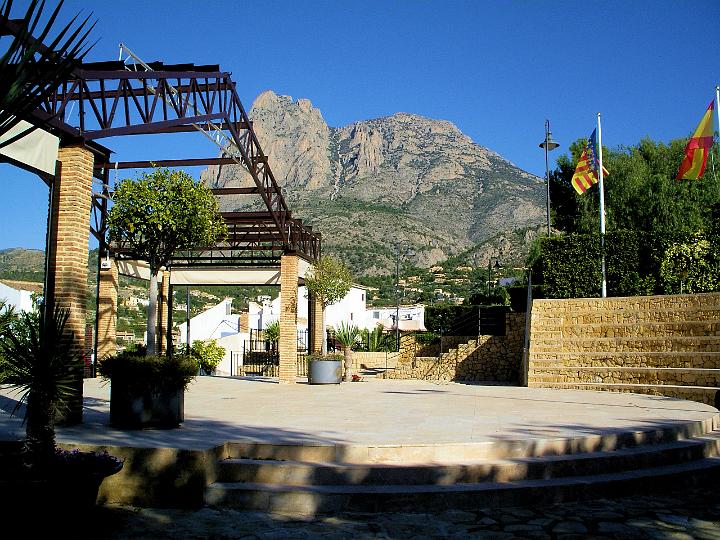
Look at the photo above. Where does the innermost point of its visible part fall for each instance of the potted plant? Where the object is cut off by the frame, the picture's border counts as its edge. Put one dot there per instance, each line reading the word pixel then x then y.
pixel 38 358
pixel 324 369
pixel 347 335
pixel 209 354
pixel 148 391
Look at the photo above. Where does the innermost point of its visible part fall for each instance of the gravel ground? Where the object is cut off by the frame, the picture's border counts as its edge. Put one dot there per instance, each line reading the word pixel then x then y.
pixel 687 514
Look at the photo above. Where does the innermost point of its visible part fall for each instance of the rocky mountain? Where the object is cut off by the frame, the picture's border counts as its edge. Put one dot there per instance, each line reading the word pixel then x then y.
pixel 404 177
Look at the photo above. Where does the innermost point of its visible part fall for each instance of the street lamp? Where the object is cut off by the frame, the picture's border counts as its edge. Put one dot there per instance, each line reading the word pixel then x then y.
pixel 548 144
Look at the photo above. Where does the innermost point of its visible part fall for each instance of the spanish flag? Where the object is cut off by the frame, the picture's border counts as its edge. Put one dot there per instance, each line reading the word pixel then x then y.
pixel 586 172
pixel 698 148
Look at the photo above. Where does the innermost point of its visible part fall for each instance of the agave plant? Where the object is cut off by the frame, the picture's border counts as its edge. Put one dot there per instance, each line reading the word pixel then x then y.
pixel 38 360
pixel 347 335
pixel 30 70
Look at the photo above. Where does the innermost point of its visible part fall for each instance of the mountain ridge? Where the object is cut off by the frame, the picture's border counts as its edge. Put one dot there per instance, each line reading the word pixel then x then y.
pixel 401 177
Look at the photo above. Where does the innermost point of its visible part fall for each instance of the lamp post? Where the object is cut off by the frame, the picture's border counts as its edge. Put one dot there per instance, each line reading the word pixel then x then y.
pixel 548 144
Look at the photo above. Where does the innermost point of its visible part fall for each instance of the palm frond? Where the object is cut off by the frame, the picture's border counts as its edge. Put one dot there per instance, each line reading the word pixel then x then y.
pixel 29 70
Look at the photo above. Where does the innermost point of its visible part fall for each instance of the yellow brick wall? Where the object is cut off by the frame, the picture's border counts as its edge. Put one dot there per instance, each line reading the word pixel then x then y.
pixel 288 318
pixel 664 345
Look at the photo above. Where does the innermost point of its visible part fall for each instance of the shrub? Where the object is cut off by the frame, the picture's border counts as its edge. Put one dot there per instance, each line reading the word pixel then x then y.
pixel 149 373
pixel 320 356
pixel 208 353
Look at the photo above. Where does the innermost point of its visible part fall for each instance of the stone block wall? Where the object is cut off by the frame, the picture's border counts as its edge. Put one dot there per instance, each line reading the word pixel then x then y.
pixel 480 358
pixel 664 345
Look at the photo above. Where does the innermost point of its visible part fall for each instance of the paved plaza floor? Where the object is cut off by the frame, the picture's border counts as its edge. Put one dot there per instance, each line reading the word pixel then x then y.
pixel 399 414
pixel 409 414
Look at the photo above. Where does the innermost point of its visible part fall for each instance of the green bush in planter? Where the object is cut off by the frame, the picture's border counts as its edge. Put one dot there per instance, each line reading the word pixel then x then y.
pixel 320 356
pixel 208 353
pixel 140 374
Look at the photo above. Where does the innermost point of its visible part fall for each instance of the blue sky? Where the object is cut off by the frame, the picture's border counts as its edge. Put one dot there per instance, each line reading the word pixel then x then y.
pixel 496 69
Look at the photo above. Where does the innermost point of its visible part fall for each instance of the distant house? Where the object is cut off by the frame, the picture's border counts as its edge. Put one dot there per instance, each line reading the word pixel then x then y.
pixel 19 296
pixel 412 318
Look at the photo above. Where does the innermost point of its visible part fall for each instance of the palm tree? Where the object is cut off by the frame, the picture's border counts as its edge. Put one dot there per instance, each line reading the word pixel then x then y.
pixel 347 335
pixel 29 70
pixel 38 359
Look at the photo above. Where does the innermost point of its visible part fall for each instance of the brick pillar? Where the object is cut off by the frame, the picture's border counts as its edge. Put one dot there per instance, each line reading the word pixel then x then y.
pixel 107 312
pixel 68 253
pixel 163 306
pixel 315 324
pixel 288 318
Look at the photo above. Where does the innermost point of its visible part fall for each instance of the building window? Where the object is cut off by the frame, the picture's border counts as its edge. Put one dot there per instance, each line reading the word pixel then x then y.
pixel 228 308
pixel 376 314
pixel 351 316
pixel 362 297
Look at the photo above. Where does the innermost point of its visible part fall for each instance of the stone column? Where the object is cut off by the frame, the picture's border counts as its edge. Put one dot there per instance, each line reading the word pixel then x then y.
pixel 315 324
pixel 164 305
pixel 68 253
pixel 107 312
pixel 288 318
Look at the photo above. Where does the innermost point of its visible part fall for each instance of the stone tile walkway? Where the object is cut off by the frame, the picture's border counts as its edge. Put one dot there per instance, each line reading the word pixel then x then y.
pixel 689 514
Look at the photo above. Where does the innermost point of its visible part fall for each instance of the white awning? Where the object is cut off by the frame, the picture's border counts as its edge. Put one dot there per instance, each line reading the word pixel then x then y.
pixel 38 150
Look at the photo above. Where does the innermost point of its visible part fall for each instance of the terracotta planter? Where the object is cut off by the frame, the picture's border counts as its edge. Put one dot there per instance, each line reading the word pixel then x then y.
pixel 325 371
pixel 136 410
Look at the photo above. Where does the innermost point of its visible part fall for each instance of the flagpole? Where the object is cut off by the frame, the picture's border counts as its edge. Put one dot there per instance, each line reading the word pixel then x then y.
pixel 602 208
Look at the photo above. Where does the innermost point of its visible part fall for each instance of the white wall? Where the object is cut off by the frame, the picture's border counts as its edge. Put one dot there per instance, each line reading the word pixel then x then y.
pixel 214 323
pixel 351 309
pixel 19 299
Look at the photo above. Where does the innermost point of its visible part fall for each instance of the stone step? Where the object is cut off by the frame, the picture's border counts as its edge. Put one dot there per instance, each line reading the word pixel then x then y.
pixel 459 453
pixel 320 499
pixel 631 359
pixel 613 345
pixel 632 375
pixel 667 328
pixel 701 394
pixel 304 473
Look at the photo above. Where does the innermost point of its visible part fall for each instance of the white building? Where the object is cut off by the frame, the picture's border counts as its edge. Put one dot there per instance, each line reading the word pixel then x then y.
pixel 19 299
pixel 412 318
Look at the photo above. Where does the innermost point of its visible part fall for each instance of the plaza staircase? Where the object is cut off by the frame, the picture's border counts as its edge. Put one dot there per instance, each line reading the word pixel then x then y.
pixel 308 480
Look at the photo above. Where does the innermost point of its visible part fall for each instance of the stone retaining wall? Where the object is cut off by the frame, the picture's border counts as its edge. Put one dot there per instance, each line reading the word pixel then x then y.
pixel 470 358
pixel 665 345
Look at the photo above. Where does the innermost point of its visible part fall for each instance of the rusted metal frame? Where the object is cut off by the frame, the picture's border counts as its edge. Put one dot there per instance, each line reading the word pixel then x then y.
pixel 98 114
pixel 195 162
pixel 103 104
pixel 126 89
pixel 138 129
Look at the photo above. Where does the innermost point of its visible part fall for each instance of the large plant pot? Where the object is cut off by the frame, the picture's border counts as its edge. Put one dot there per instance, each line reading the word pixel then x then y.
pixel 136 410
pixel 325 371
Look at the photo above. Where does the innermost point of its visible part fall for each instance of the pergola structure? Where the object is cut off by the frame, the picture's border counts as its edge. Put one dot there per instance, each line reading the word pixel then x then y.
pixel 131 97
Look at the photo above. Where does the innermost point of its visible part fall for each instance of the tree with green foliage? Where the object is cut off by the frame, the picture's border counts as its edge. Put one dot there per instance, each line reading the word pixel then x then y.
pixel 157 215
pixel 328 280
pixel 208 353
pixel 641 193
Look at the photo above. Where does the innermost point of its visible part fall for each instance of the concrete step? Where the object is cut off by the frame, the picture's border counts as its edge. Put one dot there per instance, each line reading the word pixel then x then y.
pixel 461 453
pixel 296 473
pixel 321 499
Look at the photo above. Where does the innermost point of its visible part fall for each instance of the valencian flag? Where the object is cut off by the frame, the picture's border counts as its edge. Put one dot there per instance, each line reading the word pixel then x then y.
pixel 586 172
pixel 698 148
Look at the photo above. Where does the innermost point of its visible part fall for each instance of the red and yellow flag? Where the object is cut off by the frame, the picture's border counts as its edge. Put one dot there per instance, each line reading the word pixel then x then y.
pixel 586 172
pixel 698 148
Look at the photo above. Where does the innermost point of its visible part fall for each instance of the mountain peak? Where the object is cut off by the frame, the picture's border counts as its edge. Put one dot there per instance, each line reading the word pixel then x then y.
pixel 404 176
